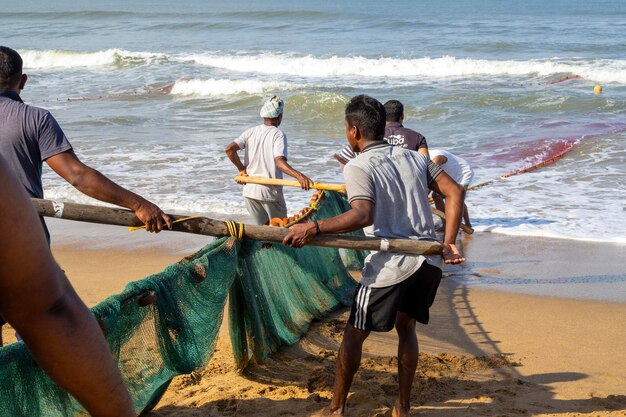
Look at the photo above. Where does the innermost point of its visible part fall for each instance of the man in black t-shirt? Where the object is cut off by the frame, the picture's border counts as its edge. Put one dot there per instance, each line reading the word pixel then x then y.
pixel 398 135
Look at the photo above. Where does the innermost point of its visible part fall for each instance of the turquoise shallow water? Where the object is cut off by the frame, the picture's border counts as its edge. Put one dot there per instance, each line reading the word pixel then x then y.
pixel 477 78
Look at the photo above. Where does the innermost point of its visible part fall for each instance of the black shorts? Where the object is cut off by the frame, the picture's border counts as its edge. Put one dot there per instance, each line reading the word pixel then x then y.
pixel 375 309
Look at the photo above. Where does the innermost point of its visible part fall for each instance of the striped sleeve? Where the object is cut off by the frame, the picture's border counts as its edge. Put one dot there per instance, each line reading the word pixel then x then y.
pixel 433 171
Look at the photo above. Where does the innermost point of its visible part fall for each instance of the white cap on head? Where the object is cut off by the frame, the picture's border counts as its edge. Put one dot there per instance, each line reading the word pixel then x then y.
pixel 272 108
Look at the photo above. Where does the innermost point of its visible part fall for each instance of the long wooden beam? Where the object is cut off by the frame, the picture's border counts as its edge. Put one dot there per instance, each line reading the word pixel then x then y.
pixel 218 228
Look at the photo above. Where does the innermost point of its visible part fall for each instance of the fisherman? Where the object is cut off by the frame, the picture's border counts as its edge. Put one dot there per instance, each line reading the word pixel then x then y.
pixel 398 135
pixel 460 171
pixel 388 187
pixel 395 134
pixel 31 135
pixel 265 148
pixel 39 302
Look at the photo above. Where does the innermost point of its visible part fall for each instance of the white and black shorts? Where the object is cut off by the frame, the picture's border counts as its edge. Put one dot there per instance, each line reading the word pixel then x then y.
pixel 375 309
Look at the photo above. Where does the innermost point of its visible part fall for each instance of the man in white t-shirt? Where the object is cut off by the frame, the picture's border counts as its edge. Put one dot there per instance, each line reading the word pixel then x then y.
pixel 460 171
pixel 265 149
pixel 388 188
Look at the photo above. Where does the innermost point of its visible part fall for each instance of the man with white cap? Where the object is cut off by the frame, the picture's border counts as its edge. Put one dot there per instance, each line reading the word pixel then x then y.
pixel 265 149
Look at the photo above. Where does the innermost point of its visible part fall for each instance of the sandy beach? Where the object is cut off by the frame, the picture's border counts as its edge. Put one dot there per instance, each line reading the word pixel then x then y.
pixel 486 352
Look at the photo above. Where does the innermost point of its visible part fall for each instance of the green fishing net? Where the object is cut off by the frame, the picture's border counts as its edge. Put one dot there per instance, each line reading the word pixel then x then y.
pixel 167 324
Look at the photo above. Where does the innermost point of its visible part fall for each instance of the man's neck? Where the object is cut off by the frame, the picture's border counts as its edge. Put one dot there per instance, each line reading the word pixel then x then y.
pixel 10 93
pixel 271 122
pixel 367 143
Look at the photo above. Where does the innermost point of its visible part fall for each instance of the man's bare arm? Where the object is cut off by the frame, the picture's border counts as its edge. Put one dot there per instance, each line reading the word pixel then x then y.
pixel 91 182
pixel 283 166
pixel 231 152
pixel 359 216
pixel 453 193
pixel 439 159
pixel 39 302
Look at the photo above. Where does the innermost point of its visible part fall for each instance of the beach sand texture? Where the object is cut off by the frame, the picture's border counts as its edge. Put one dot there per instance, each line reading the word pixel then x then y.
pixel 485 352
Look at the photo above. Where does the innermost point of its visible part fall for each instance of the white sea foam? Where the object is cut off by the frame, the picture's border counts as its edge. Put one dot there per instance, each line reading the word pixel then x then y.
pixel 337 66
pixel 219 87
pixel 603 70
pixel 194 205
pixel 58 59
pixel 560 201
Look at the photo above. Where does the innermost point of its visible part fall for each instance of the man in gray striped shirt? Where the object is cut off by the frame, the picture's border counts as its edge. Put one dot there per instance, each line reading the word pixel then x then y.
pixel 388 188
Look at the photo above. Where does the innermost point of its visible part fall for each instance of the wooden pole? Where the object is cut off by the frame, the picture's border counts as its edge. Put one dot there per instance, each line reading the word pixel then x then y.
pixel 211 227
pixel 290 183
pixel 442 216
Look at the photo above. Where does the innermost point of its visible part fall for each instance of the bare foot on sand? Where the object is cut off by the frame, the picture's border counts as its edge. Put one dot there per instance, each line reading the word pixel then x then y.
pixel 399 411
pixel 328 412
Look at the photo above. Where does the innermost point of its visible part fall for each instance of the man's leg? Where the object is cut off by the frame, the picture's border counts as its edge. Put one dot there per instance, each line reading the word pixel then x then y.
pixel 347 364
pixel 276 209
pixel 439 202
pixel 257 211
pixel 408 351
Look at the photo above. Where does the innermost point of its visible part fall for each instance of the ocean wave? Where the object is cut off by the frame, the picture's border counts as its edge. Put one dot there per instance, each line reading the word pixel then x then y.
pixel 220 87
pixel 285 64
pixel 443 67
pixel 60 59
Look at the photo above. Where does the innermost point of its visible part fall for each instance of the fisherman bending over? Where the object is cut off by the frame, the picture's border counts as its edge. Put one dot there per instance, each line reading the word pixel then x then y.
pixel 460 171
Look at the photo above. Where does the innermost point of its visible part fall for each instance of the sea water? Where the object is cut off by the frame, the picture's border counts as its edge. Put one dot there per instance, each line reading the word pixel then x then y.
pixel 477 78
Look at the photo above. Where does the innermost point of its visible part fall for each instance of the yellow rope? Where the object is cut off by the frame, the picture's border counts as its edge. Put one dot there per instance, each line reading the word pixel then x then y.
pixel 184 219
pixel 235 229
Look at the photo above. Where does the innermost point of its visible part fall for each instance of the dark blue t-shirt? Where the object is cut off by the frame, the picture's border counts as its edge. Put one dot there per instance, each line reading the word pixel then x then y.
pixel 28 136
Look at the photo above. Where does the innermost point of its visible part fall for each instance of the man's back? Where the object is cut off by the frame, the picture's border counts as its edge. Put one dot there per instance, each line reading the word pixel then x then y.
pixel 262 144
pixel 455 166
pixel 398 135
pixel 396 181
